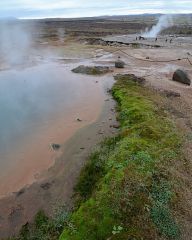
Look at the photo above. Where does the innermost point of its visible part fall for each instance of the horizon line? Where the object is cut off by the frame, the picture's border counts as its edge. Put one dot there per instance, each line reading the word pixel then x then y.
pixel 97 16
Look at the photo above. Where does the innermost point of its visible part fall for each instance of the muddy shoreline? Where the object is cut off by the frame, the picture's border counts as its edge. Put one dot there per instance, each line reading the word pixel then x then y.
pixel 56 186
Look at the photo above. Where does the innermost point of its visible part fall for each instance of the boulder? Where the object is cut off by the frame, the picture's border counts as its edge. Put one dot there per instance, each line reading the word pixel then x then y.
pixel 92 70
pixel 181 76
pixel 119 64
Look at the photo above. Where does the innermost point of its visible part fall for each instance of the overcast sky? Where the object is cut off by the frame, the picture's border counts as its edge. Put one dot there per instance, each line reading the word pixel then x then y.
pixel 87 8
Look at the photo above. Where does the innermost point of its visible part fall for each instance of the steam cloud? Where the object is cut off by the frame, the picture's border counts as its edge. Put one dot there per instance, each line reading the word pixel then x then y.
pixel 15 42
pixel 164 22
pixel 61 35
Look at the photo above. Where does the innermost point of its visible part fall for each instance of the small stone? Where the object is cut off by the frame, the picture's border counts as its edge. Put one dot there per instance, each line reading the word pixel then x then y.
pixel 79 120
pixel 55 146
pixel 114 126
pixel 119 64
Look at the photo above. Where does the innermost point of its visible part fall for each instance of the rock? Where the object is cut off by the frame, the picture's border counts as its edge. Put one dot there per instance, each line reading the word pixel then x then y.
pixel 92 70
pixel 119 64
pixel 181 76
pixel 55 146
pixel 115 126
pixel 79 120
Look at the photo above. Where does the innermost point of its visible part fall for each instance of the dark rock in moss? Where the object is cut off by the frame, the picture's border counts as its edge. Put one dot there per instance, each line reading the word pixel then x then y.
pixel 119 64
pixel 130 77
pixel 92 70
pixel 181 76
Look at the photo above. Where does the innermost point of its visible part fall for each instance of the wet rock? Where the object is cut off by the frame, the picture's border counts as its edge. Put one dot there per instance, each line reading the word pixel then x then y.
pixel 92 70
pixel 79 120
pixel 55 146
pixel 130 77
pixel 181 76
pixel 119 64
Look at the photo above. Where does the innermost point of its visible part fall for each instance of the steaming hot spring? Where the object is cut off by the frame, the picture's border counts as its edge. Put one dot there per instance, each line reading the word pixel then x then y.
pixel 41 100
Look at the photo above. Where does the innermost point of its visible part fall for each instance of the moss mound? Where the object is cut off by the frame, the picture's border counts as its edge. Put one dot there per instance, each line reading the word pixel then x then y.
pixel 125 190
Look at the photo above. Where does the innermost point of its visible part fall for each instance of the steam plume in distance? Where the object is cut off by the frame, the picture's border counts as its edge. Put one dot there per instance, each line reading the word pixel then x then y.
pixel 164 22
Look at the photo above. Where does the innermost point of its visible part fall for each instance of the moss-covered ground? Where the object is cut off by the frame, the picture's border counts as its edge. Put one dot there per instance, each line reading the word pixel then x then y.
pixel 125 190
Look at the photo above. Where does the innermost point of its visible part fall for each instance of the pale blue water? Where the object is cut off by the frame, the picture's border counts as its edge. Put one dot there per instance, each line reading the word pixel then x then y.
pixel 28 98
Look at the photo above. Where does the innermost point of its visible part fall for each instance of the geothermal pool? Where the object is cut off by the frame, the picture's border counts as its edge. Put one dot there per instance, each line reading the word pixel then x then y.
pixel 39 106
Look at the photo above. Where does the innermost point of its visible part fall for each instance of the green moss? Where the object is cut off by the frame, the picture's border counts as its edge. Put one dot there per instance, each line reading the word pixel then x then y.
pixel 125 182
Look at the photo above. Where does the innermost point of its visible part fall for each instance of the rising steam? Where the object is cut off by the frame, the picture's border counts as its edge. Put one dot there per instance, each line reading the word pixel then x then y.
pixel 15 42
pixel 164 22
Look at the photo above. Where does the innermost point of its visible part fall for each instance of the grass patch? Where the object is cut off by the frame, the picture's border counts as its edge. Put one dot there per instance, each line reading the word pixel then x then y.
pixel 125 189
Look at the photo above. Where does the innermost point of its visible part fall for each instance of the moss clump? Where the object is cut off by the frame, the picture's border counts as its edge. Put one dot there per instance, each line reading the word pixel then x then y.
pixel 125 190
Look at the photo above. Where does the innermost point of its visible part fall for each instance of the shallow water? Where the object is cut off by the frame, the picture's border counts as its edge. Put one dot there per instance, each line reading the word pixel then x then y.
pixel 39 106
